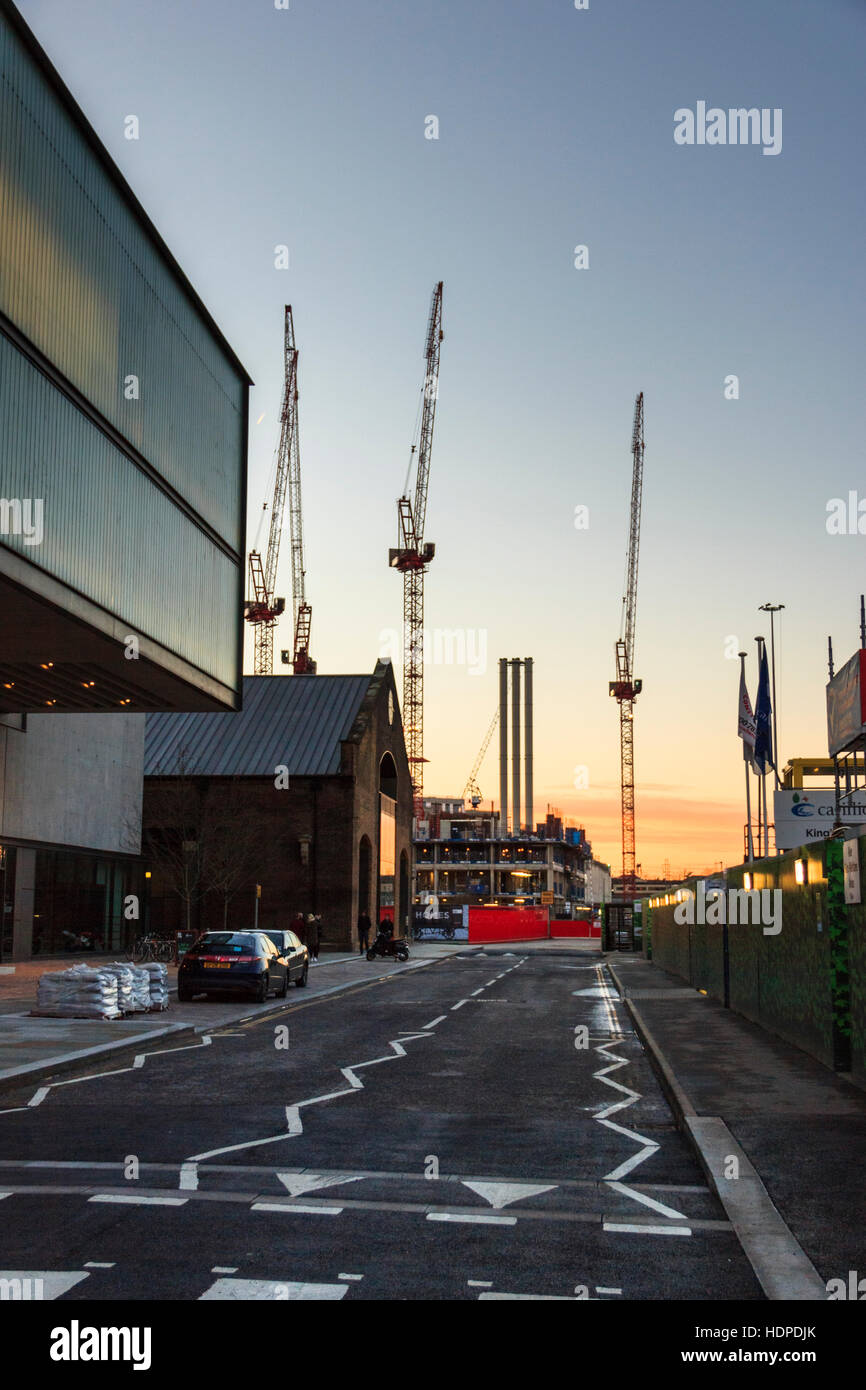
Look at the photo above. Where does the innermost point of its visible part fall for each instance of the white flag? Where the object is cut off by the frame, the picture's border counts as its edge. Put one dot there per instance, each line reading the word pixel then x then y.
pixel 747 724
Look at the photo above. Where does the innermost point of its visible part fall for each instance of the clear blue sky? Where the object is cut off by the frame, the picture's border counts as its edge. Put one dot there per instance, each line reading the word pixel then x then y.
pixel 306 127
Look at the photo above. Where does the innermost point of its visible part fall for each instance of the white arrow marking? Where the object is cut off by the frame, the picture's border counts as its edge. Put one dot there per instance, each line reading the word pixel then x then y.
pixel 502 1194
pixel 52 1283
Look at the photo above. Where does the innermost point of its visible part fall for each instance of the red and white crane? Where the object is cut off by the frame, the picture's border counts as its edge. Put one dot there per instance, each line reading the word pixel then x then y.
pixel 625 688
pixel 263 609
pixel 412 556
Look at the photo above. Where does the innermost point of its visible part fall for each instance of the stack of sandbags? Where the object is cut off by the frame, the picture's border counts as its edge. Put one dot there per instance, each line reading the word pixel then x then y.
pixel 80 992
pixel 133 987
pixel 157 985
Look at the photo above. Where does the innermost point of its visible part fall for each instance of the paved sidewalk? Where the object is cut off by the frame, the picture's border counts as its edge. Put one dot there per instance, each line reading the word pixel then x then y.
pixel 798 1130
pixel 38 1047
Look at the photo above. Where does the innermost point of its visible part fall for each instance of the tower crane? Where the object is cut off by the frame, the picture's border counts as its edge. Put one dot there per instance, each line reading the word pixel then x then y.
pixel 472 789
pixel 413 554
pixel 626 688
pixel 263 609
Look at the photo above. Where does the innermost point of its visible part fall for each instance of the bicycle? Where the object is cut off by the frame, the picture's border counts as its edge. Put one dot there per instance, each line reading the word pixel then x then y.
pixel 151 947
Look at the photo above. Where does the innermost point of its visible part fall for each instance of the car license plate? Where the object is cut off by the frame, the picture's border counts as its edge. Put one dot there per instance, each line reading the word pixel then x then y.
pixel 217 964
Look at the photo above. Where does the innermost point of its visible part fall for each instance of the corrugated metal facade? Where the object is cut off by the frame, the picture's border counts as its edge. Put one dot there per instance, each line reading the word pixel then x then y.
pixel 82 279
pixel 295 721
pixel 108 532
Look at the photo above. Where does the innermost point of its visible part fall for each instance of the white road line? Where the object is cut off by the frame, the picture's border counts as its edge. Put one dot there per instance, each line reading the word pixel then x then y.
pixel 5 1194
pixel 459 1004
pixel 647 1201
pixel 599 1288
pixel 139 1201
pixel 647 1230
pixel 268 1289
pixel 480 1283
pixel 350 1276
pixel 531 1297
pixel 224 1269
pixel 477 991
pixel 440 1019
pixel 51 1283
pixel 188 1177
pixel 489 983
pixel 138 1061
pixel 99 1264
pixel 296 1207
pixel 472 1218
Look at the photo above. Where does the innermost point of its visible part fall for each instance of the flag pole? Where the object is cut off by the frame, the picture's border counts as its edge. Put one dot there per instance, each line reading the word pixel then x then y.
pixel 760 642
pixel 750 842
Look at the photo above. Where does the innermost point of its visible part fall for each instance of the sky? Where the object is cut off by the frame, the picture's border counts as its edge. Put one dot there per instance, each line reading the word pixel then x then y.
pixel 306 127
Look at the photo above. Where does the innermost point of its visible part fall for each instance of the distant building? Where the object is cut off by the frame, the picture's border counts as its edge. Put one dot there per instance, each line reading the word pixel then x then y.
pixel 123 443
pixel 315 774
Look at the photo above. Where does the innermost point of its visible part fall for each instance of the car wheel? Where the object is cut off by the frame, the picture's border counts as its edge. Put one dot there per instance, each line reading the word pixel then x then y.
pixel 264 986
pixel 184 994
pixel 285 986
pixel 302 979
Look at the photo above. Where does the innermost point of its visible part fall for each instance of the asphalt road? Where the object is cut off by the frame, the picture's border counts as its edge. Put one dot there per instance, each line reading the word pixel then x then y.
pixel 444 1133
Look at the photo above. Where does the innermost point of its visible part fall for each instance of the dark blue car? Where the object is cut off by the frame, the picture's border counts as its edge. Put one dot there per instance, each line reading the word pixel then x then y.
pixel 249 962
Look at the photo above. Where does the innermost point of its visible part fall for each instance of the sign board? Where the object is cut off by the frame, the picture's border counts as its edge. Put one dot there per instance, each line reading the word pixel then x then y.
pixel 846 706
pixel 547 899
pixel 808 814
pixel 851 860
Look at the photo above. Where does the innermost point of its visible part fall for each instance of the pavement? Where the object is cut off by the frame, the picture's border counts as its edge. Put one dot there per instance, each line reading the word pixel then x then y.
pixel 781 1138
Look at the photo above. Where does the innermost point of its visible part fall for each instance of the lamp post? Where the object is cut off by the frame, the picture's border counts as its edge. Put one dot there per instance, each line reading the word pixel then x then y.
pixel 772 609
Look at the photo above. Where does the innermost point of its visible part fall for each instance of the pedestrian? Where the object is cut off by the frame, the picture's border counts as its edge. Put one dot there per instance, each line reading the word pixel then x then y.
pixel 299 927
pixel 364 929
pixel 313 937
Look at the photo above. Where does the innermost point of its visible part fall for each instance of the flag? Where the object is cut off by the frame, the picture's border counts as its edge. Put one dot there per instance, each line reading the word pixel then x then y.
pixel 763 758
pixel 746 720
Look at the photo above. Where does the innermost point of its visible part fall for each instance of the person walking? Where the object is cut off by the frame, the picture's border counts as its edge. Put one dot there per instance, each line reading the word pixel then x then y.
pixel 299 927
pixel 313 937
pixel 364 929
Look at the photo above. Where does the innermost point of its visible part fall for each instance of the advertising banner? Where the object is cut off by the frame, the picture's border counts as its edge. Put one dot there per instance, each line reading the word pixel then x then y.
pixel 846 711
pixel 808 814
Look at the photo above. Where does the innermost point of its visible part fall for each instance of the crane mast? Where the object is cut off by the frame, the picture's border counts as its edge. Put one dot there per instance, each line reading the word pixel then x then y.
pixel 263 609
pixel 626 688
pixel 412 556
pixel 472 789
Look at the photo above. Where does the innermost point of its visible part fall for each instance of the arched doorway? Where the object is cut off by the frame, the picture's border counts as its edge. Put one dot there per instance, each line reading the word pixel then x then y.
pixel 405 904
pixel 387 837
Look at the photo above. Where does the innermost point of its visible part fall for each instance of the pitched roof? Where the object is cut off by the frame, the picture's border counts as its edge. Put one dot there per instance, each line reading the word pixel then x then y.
pixel 296 721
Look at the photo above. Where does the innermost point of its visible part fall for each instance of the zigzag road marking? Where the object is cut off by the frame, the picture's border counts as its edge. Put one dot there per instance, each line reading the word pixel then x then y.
pixel 294 1123
pixel 649 1146
pixel 138 1062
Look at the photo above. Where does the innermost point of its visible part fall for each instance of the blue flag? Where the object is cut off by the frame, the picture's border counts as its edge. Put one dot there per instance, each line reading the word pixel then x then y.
pixel 763 757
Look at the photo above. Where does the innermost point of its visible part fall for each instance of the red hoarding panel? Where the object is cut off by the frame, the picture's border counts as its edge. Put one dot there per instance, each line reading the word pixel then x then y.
pixel 846 706
pixel 507 923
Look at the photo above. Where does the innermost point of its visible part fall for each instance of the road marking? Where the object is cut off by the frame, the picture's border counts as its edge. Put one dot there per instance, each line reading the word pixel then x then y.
pixel 599 1288
pixel 532 1297
pixel 139 1201
pixel 647 1230
pixel 299 1183
pixel 502 1194
pixel 99 1264
pixel 138 1061
pixel 224 1269
pixel 459 1004
pixel 477 991
pixel 350 1276
pixel 480 1283
pixel 647 1201
pixel 440 1019
pixel 188 1177
pixel 489 983
pixel 4 1194
pixel 472 1218
pixel 52 1282
pixel 296 1207
pixel 271 1289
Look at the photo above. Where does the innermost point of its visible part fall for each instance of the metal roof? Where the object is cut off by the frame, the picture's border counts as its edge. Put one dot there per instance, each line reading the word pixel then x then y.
pixel 292 721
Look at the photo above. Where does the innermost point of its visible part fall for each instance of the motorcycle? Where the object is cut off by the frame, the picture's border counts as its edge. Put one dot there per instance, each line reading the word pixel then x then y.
pixel 394 948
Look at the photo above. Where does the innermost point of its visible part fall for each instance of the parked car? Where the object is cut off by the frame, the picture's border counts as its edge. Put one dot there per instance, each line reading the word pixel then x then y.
pixel 292 947
pixel 228 962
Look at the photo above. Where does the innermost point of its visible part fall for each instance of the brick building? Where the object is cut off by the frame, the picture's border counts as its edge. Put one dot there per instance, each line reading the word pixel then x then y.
pixel 306 792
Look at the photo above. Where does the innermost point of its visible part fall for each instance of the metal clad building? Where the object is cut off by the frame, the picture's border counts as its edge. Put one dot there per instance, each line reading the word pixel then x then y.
pixel 124 413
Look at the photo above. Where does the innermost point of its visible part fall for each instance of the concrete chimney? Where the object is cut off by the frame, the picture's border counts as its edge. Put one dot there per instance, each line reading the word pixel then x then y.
pixel 503 745
pixel 515 746
pixel 527 737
